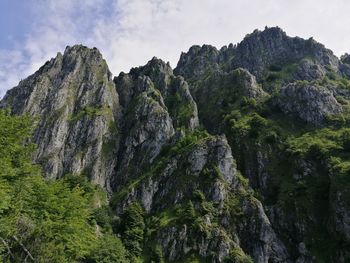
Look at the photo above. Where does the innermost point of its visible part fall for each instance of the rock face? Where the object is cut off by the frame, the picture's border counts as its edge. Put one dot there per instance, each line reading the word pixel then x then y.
pixel 309 102
pixel 205 173
pixel 155 103
pixel 74 100
pixel 220 91
pixel 143 137
pixel 147 127
pixel 259 52
pixel 174 91
pixel 198 61
pixel 83 125
pixel 278 62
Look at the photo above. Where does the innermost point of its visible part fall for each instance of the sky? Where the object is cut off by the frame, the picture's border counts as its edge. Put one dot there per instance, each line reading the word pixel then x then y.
pixel 131 32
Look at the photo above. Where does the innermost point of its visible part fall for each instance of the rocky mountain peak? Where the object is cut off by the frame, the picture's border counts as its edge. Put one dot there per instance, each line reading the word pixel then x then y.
pixel 345 58
pixel 157 70
pixel 262 49
pixel 76 104
pixel 88 55
pixel 153 67
pixel 159 63
pixel 197 61
pixel 77 55
pixel 174 90
pixel 268 32
pixel 257 53
pixel 180 145
pixel 201 50
pixel 80 49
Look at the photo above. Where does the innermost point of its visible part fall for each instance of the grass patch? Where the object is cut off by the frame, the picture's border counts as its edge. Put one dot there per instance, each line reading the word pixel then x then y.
pixel 91 112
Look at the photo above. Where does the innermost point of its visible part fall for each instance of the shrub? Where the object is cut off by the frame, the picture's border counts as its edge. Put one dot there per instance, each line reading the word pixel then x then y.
pixel 157 255
pixel 103 216
pixel 109 249
pixel 238 256
pixel 132 229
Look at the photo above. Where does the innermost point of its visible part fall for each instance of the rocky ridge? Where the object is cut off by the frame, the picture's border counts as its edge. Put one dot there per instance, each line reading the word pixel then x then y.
pixel 141 136
pixel 76 106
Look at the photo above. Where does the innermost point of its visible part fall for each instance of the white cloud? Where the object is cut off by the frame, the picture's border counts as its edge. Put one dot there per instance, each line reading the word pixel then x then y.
pixel 130 32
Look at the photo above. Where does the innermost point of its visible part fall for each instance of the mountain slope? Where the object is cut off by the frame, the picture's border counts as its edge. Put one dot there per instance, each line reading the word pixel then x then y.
pixel 277 109
pixel 77 109
pixel 268 133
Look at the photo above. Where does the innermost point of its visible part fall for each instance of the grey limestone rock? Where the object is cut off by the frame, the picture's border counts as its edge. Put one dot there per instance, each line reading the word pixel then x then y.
pixel 76 106
pixel 174 91
pixel 138 136
pixel 309 102
pixel 257 53
pixel 207 166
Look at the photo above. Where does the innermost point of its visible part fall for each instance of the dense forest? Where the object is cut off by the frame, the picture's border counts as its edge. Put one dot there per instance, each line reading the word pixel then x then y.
pixel 65 220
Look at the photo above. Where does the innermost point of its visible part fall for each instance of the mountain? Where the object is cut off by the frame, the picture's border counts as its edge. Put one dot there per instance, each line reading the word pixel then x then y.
pixel 239 154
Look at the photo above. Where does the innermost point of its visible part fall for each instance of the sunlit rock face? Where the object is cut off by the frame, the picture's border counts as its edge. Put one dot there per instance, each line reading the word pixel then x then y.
pixel 239 154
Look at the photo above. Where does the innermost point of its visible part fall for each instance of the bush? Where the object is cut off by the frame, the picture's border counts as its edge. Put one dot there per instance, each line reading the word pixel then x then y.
pixel 257 124
pixel 132 229
pixel 275 67
pixel 248 102
pixel 103 216
pixel 345 139
pixel 109 249
pixel 271 137
pixel 320 143
pixel 157 255
pixel 273 76
pixel 238 256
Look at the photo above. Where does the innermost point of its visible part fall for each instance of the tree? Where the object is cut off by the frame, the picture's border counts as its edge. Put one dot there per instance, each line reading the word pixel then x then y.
pixel 41 221
pixel 109 249
pixel 132 228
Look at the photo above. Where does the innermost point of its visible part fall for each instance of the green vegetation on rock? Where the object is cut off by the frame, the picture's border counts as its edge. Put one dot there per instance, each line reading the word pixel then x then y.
pixel 262 174
pixel 90 112
pixel 43 221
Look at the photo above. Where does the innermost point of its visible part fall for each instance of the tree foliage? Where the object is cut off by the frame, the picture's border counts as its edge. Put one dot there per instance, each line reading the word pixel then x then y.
pixel 132 231
pixel 44 221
